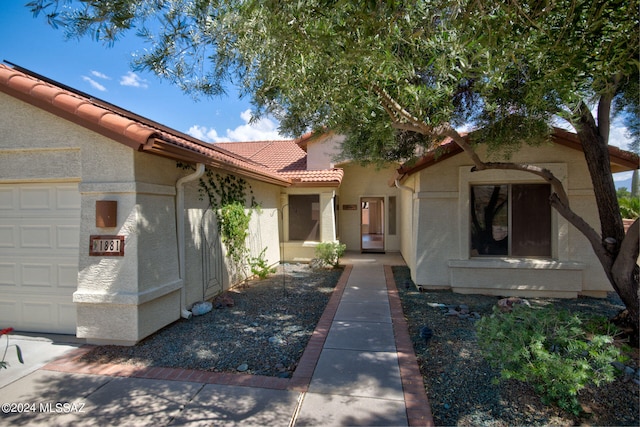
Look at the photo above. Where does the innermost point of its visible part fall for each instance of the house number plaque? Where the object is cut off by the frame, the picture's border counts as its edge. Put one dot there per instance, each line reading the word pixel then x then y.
pixel 106 246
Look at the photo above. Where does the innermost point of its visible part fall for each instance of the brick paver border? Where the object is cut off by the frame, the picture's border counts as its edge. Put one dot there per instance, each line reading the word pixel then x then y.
pixel 417 404
pixel 71 362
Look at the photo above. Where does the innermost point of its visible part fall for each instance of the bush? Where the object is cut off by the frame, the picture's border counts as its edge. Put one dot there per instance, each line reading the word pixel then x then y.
pixel 555 351
pixel 259 266
pixel 329 253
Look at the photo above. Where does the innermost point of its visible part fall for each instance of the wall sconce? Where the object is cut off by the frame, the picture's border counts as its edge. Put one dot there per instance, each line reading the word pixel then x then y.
pixel 106 213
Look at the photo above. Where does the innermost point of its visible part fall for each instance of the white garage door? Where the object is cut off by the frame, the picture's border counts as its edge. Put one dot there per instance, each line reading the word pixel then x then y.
pixel 39 239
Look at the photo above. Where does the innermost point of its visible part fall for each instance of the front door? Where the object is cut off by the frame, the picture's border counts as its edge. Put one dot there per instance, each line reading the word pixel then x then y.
pixel 372 224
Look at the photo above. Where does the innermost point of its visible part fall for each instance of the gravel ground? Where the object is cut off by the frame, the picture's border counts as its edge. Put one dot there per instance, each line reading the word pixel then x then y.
pixel 264 333
pixel 271 321
pixel 460 384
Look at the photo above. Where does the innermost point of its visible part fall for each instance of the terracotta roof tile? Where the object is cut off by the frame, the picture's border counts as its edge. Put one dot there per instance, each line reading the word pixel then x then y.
pixel 125 127
pixel 286 158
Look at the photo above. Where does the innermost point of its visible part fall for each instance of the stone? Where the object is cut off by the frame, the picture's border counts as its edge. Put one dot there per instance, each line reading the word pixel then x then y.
pixel 200 308
pixel 618 365
pixel 223 301
pixel 276 341
pixel 243 368
pixel 506 304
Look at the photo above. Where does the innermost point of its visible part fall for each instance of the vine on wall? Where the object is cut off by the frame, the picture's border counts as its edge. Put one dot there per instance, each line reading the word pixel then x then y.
pixel 229 196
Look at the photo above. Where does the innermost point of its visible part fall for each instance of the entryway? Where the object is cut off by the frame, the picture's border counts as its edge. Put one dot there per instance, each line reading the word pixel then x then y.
pixel 372 224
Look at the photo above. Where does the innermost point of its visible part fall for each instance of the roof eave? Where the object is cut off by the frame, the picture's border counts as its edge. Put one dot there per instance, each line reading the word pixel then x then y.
pixel 165 149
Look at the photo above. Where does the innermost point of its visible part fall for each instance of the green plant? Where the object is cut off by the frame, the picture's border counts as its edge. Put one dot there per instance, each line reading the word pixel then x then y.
pixel 329 253
pixel 259 266
pixel 3 362
pixel 233 220
pixel 227 196
pixel 629 207
pixel 556 351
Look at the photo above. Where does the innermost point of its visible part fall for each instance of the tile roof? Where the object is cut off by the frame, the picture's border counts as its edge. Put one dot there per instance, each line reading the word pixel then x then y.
pixel 286 158
pixel 125 127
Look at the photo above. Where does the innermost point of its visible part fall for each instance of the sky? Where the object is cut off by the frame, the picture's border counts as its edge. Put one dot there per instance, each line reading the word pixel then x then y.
pixel 105 73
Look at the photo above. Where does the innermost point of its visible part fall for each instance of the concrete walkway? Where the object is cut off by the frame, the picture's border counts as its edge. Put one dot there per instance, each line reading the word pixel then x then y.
pixel 358 369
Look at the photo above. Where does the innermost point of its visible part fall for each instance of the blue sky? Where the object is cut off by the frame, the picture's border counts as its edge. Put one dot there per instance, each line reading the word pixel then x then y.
pixel 105 72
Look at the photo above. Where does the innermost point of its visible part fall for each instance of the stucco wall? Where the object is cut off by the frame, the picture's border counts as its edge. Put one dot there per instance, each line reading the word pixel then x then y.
pixel 122 299
pixel 207 268
pixel 304 251
pixel 369 181
pixel 442 222
pixel 321 154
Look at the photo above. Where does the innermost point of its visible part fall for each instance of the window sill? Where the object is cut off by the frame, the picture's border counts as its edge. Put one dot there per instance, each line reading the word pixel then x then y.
pixel 517 263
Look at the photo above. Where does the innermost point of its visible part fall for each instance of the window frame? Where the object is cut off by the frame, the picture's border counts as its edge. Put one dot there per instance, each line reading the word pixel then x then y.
pixel 510 203
pixel 467 177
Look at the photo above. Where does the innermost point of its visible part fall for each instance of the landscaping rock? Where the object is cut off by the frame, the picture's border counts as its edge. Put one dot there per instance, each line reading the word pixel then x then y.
pixel 223 301
pixel 506 304
pixel 243 368
pixel 200 308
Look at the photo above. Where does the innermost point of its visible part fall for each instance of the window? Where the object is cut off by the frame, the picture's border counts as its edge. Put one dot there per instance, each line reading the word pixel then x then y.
pixel 392 215
pixel 511 220
pixel 304 217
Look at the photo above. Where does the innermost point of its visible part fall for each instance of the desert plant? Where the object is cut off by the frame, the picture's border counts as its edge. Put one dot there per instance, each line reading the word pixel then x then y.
pixel 554 350
pixel 329 253
pixel 259 266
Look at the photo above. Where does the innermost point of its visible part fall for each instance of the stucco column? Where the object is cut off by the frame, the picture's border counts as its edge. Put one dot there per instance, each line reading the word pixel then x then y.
pixel 327 217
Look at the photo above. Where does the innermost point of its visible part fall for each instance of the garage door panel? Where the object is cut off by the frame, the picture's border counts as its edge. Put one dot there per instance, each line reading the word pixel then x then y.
pixel 68 237
pixel 35 198
pixel 37 275
pixel 36 236
pixel 67 199
pixel 8 236
pixel 68 276
pixel 8 274
pixel 7 198
pixel 39 243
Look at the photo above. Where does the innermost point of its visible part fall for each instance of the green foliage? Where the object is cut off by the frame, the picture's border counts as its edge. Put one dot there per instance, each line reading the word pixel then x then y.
pixel 317 64
pixel 259 266
pixel 556 351
pixel 227 196
pixel 3 363
pixel 233 220
pixel 329 253
pixel 629 207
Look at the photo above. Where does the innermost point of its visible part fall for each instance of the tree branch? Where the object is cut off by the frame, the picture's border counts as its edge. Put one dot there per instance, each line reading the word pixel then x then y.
pixel 398 114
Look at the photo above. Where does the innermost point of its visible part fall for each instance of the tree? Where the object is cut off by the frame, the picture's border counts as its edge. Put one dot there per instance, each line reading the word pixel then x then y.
pixel 396 77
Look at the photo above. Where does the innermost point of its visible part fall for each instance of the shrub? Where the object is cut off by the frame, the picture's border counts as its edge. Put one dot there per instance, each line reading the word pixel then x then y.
pixel 259 266
pixel 557 352
pixel 329 253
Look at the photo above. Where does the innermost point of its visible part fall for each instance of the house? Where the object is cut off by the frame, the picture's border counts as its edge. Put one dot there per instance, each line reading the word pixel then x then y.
pixel 105 235
pixel 522 247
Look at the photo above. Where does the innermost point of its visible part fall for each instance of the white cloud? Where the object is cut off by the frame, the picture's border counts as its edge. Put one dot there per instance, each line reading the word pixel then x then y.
pixel 133 80
pixel 618 134
pixel 94 84
pixel 264 129
pixel 100 75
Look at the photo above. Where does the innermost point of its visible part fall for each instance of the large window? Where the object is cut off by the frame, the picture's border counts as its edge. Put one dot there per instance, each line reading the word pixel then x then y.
pixel 510 220
pixel 304 217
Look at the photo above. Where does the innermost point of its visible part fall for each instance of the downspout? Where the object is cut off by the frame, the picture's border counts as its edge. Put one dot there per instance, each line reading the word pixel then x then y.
pixel 402 186
pixel 180 234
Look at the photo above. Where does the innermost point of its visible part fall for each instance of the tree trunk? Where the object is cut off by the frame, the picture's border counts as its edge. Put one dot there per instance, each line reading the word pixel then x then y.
pixel 620 252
